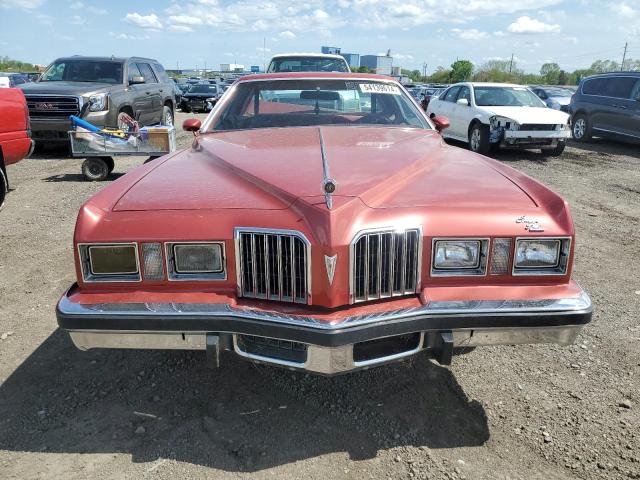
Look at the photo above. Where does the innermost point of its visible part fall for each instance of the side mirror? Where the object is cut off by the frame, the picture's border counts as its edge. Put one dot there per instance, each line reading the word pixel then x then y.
pixel 440 122
pixel 463 102
pixel 136 80
pixel 191 125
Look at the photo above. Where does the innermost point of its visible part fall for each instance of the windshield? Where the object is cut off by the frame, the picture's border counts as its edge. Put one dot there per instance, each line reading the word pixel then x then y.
pixel 507 97
pixel 83 71
pixel 299 103
pixel 203 89
pixel 307 64
pixel 558 92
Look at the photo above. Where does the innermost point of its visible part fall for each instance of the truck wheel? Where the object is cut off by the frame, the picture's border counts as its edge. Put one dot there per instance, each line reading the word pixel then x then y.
pixel 554 152
pixel 581 128
pixel 95 169
pixel 110 163
pixel 4 187
pixel 479 139
pixel 167 116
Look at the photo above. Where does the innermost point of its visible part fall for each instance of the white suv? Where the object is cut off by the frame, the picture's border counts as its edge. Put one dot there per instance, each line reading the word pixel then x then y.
pixel 493 115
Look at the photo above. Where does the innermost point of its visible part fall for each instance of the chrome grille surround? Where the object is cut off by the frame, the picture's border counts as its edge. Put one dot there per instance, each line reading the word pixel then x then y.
pixel 273 264
pixel 44 106
pixel 375 258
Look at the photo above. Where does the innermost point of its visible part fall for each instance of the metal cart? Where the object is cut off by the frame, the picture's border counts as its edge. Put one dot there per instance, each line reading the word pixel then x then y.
pixel 101 150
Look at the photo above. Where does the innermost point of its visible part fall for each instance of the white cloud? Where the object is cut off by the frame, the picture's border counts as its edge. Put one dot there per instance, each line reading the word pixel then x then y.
pixel 527 24
pixel 77 20
pixel 124 36
pixel 185 19
pixel 180 28
pixel 145 21
pixel 287 34
pixel 76 5
pixel 24 4
pixel 470 33
pixel 263 49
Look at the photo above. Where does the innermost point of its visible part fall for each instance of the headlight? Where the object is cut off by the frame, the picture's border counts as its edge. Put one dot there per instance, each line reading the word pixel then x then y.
pixel 109 262
pixel 456 254
pixel 493 122
pixel 99 102
pixel 211 99
pixel 196 261
pixel 541 256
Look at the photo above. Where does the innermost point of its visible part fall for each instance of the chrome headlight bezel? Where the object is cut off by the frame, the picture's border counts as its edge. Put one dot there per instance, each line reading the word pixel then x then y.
pixel 174 273
pixel 561 265
pixel 99 102
pixel 478 269
pixel 90 276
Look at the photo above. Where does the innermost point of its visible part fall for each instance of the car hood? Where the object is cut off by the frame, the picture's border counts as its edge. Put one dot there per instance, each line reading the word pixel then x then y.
pixel 199 95
pixel 374 167
pixel 66 88
pixel 560 100
pixel 530 114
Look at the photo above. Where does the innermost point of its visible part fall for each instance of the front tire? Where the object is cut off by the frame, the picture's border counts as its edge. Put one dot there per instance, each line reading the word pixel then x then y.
pixel 95 169
pixel 167 116
pixel 581 128
pixel 4 187
pixel 479 139
pixel 554 152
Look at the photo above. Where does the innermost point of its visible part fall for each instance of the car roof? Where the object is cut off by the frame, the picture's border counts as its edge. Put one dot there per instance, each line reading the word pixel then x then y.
pixel 317 75
pixel 614 74
pixel 105 59
pixel 314 55
pixel 490 84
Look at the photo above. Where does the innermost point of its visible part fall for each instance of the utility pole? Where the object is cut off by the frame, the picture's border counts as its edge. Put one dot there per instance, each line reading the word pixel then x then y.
pixel 624 56
pixel 424 69
pixel 511 64
pixel 264 48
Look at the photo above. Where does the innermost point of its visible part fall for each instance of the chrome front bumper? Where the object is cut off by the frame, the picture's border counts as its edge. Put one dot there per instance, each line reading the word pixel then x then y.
pixel 439 326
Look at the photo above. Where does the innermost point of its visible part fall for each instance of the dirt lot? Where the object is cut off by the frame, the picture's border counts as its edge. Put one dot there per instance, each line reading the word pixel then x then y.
pixel 533 412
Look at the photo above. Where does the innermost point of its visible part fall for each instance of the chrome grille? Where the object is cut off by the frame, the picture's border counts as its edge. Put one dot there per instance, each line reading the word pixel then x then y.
pixel 385 264
pixel 273 265
pixel 52 106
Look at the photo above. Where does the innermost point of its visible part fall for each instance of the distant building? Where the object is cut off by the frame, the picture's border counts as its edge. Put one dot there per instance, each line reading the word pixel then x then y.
pixel 353 59
pixel 396 71
pixel 331 50
pixel 380 64
pixel 231 67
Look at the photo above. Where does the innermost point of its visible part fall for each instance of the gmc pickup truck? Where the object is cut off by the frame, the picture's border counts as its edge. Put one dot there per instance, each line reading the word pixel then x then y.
pixel 112 87
pixel 15 141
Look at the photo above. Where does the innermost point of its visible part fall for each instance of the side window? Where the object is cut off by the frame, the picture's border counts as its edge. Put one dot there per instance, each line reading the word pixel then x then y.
pixel 594 87
pixel 161 73
pixel 451 95
pixel 620 87
pixel 147 73
pixel 134 71
pixel 541 93
pixel 465 93
pixel 635 92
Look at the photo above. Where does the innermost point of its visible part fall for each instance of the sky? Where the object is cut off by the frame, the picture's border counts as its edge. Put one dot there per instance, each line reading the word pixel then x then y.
pixel 195 33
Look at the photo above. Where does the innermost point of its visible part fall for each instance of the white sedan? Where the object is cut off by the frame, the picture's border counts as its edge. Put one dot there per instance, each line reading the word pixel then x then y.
pixel 493 115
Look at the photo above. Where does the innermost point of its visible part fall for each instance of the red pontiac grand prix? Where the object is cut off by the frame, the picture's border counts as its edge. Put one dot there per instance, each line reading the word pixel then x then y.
pixel 319 222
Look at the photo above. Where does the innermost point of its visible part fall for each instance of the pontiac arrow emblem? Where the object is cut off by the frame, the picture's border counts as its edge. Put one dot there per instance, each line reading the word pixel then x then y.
pixel 330 263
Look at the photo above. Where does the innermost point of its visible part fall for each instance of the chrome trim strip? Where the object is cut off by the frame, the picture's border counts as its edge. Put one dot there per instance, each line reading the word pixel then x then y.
pixel 238 231
pixel 90 277
pixel 464 308
pixel 541 271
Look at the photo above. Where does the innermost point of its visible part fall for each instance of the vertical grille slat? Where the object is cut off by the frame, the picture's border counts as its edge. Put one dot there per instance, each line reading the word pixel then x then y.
pixel 273 265
pixel 385 264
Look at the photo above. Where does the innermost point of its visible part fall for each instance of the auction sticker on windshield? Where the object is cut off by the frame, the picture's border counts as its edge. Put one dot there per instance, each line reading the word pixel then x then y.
pixel 379 88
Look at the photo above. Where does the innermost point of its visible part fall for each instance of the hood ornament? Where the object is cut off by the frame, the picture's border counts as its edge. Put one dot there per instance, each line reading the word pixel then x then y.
pixel 329 185
pixel 330 263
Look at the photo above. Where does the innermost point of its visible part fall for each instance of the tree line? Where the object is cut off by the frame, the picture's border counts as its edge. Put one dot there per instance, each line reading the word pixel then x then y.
pixel 9 65
pixel 507 71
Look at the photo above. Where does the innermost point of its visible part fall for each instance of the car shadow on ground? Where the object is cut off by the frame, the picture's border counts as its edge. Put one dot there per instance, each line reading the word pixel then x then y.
pixel 607 147
pixel 79 177
pixel 240 418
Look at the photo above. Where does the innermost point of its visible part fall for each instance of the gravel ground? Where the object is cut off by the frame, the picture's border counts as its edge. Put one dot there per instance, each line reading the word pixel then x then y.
pixel 532 412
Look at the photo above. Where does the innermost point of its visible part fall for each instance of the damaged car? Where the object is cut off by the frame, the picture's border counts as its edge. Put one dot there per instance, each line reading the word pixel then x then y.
pixel 302 231
pixel 200 97
pixel 489 116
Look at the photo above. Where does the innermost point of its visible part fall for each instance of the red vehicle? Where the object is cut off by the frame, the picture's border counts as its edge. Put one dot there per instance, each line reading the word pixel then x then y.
pixel 319 222
pixel 15 141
